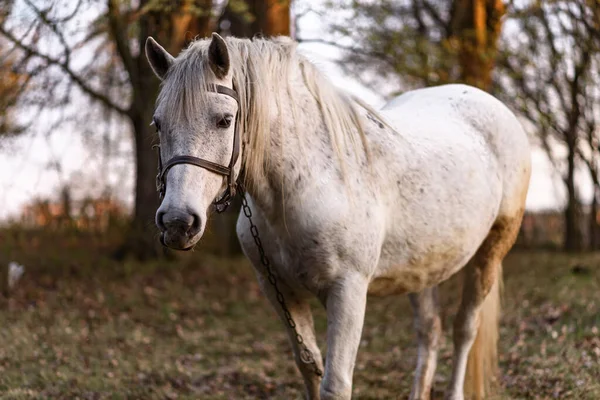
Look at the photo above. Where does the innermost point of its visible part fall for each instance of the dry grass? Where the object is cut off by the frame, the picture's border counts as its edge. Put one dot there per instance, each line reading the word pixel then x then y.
pixel 80 325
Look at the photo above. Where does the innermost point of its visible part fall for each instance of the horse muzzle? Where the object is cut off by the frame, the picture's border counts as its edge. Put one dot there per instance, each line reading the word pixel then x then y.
pixel 180 230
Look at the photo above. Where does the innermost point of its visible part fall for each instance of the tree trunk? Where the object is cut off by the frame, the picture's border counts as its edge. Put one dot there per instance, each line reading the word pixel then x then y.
pixel 593 223
pixel 475 27
pixel 267 17
pixel 191 21
pixel 276 20
pixel 142 240
pixel 146 198
pixel 572 238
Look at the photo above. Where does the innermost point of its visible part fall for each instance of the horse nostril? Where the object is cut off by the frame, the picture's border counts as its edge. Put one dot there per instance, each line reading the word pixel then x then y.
pixel 181 221
pixel 180 227
pixel 160 221
pixel 195 227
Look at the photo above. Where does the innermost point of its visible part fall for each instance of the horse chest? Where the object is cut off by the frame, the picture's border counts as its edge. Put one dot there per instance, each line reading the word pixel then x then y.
pixel 313 263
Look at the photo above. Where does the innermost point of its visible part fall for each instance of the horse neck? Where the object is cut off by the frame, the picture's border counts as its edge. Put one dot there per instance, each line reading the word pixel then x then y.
pixel 300 150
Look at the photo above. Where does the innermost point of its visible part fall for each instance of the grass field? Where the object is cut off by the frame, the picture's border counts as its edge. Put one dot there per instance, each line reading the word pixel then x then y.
pixel 80 325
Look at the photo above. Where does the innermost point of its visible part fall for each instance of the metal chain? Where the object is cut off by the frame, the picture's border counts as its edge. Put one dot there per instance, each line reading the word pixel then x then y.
pixel 305 354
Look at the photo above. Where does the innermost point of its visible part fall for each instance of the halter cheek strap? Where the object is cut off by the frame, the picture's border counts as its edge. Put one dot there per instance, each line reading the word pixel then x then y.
pixel 223 201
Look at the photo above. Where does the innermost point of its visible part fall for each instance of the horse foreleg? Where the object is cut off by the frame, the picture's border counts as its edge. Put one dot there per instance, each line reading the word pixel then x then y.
pixel 428 326
pixel 345 301
pixel 298 307
pixel 303 320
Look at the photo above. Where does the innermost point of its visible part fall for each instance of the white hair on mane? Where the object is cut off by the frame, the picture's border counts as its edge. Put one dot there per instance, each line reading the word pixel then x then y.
pixel 261 68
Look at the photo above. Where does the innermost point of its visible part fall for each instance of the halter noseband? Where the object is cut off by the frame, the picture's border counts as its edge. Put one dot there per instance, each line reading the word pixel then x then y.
pixel 224 200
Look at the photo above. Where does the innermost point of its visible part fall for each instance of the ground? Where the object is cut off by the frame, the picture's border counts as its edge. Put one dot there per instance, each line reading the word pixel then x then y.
pixel 81 325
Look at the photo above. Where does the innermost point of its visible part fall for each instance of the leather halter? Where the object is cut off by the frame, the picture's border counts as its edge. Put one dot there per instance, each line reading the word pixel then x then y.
pixel 224 200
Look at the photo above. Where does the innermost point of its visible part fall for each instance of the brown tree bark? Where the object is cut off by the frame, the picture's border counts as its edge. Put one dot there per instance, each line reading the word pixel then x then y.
pixel 475 27
pixel 12 84
pixel 266 17
pixel 593 222
pixel 276 20
pixel 572 234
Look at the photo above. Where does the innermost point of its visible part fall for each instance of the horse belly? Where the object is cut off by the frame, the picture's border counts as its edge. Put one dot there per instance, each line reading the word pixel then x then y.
pixel 442 206
pixel 407 278
pixel 420 255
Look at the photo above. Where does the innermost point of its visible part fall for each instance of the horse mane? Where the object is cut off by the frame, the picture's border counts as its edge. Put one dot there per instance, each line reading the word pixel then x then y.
pixel 262 68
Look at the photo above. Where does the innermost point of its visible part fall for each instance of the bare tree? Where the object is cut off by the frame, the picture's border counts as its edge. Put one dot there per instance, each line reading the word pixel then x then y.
pixel 475 27
pixel 549 75
pixel 546 63
pixel 117 78
pixel 12 84
pixel 252 17
pixel 421 42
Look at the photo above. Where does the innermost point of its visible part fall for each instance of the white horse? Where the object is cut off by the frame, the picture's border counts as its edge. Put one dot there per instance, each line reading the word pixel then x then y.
pixel 347 201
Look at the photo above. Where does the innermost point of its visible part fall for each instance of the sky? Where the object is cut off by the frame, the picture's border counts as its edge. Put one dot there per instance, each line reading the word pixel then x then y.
pixel 28 163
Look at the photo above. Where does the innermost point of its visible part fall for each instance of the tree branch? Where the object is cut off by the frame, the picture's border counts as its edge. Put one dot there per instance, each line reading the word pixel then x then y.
pixel 67 70
pixel 43 16
pixel 117 29
pixel 434 14
pixel 356 50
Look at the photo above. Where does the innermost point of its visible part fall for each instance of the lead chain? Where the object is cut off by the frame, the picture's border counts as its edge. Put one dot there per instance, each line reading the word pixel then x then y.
pixel 305 354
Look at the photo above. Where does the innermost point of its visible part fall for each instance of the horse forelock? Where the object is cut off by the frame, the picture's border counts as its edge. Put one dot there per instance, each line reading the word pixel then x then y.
pixel 260 69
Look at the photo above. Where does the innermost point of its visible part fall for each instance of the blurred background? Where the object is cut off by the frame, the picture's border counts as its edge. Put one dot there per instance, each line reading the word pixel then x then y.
pixel 101 309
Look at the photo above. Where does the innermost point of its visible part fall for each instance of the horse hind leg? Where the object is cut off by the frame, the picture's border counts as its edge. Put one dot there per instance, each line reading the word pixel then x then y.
pixel 428 326
pixel 476 324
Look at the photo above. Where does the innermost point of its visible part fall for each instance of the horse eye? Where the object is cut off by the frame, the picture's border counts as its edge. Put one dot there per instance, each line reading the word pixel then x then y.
pixel 224 122
pixel 156 124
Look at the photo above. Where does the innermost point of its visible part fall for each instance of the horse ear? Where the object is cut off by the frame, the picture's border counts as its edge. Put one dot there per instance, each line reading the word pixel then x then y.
pixel 160 60
pixel 218 56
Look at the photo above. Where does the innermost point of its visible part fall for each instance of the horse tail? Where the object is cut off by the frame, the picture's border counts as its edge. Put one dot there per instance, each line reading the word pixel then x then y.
pixel 482 365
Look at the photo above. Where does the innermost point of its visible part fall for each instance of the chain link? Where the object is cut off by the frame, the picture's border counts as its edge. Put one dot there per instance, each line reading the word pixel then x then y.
pixel 305 354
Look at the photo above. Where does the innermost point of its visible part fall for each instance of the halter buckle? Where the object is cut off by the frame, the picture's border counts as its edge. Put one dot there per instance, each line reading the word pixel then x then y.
pixel 160 187
pixel 222 207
